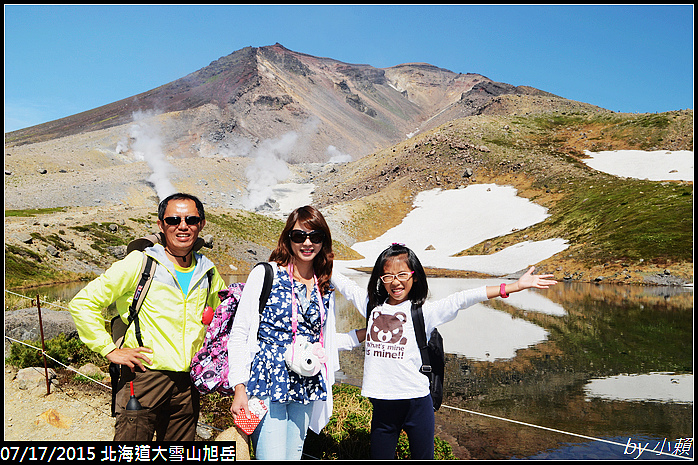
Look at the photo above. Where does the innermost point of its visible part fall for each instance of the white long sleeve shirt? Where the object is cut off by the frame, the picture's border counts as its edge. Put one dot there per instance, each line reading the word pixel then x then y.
pixel 392 359
pixel 243 344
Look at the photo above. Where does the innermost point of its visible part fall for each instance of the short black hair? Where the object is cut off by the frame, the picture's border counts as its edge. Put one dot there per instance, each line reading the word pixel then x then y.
pixel 180 195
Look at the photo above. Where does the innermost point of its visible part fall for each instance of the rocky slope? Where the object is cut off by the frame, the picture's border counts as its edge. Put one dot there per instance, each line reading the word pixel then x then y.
pixel 256 94
pixel 261 111
pixel 361 199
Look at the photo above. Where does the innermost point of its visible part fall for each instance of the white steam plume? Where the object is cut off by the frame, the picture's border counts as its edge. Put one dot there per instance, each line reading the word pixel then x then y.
pixel 147 145
pixel 268 169
pixel 336 156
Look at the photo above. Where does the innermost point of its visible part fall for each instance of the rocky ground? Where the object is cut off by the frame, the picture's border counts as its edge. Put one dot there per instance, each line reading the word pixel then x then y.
pixel 71 412
pixel 75 411
pixel 105 184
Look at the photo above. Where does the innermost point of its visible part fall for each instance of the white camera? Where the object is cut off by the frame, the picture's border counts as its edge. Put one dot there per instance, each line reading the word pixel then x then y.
pixel 305 358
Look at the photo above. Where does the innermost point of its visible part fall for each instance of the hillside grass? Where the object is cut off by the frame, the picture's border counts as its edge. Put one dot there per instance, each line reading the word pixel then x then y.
pixel 609 218
pixel 346 436
pixel 26 268
pixel 32 212
pixel 605 218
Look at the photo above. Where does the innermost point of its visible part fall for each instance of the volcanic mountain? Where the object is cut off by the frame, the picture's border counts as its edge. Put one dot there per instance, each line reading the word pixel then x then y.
pixel 94 179
pixel 258 93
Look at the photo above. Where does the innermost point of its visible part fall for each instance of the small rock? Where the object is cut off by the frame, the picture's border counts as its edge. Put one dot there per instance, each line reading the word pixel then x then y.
pixel 33 377
pixel 204 432
pixel 55 418
pixel 92 370
pixel 51 250
pixel 242 449
pixel 26 238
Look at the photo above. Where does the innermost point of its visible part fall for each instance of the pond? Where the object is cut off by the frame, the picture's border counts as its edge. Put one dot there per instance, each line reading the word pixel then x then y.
pixel 611 365
pixel 579 371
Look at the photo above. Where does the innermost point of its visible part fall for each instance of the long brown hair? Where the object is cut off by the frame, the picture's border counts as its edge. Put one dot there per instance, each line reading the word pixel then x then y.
pixel 311 218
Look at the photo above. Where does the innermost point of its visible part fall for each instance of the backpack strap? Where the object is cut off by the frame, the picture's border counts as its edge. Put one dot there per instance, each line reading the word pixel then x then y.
pixel 421 336
pixel 266 289
pixel 209 276
pixel 147 272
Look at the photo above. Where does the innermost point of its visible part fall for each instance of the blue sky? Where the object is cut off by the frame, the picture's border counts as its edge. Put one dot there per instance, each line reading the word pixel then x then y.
pixel 64 59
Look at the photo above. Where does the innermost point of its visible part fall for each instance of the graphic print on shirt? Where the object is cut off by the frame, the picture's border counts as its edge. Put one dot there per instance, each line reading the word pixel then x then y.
pixel 385 336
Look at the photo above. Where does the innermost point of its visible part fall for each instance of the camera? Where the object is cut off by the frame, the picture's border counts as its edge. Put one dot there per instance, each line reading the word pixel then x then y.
pixel 305 358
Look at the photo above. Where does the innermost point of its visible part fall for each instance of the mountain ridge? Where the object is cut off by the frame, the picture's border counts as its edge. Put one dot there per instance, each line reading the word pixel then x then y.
pixel 260 92
pixel 407 128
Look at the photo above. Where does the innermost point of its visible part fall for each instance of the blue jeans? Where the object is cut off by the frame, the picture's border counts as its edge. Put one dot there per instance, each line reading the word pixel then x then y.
pixel 281 433
pixel 415 416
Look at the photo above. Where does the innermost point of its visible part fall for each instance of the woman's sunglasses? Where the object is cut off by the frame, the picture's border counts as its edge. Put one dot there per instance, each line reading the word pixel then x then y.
pixel 176 220
pixel 299 236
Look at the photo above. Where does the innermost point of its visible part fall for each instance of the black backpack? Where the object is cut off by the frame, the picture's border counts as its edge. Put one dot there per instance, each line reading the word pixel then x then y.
pixel 433 358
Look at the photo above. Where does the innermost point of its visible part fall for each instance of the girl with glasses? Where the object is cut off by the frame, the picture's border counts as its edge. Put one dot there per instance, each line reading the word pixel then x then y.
pixel 301 305
pixel 392 380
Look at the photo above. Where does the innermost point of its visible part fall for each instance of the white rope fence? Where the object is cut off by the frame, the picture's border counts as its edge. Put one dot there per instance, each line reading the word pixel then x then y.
pixel 591 438
pixel 57 361
pixel 558 431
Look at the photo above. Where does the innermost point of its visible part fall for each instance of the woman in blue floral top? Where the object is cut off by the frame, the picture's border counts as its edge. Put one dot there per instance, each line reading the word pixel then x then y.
pixel 301 304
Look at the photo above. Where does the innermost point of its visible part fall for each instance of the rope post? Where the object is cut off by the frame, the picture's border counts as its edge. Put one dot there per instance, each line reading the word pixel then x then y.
pixel 43 346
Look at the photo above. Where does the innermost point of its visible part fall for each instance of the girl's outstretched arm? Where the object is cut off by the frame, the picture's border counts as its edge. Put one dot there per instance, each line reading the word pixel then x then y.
pixel 528 280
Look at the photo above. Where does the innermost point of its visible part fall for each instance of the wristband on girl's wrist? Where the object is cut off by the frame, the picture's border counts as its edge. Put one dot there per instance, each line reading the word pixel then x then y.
pixel 502 291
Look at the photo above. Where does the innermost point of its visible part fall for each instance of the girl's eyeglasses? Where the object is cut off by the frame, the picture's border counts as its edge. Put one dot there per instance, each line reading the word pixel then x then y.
pixel 401 276
pixel 299 236
pixel 176 220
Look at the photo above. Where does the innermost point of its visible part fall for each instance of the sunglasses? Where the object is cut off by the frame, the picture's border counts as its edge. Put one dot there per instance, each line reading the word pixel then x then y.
pixel 176 220
pixel 299 236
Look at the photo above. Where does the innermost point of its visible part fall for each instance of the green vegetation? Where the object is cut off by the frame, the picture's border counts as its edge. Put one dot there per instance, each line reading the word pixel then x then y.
pixel 628 220
pixel 249 226
pixel 614 131
pixel 103 237
pixel 347 435
pixel 106 119
pixel 24 267
pixel 605 218
pixel 65 350
pixel 30 212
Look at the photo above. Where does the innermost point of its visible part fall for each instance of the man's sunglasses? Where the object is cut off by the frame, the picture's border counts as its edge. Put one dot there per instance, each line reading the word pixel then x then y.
pixel 176 220
pixel 299 236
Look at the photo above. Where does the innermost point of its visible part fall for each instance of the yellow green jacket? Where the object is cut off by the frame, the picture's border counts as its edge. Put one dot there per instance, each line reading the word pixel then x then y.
pixel 170 321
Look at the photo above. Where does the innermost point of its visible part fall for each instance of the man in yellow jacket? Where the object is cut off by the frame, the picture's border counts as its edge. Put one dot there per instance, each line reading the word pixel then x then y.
pixel 170 321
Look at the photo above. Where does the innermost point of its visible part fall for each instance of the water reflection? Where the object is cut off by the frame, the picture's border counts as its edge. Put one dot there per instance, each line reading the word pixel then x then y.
pixel 538 360
pixel 540 363
pixel 655 387
pixel 60 294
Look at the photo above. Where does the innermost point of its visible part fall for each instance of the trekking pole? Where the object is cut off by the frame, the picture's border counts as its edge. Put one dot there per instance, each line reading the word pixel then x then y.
pixel 43 346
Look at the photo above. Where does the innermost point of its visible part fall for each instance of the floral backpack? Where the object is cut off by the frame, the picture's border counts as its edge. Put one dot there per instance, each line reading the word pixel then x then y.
pixel 209 366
